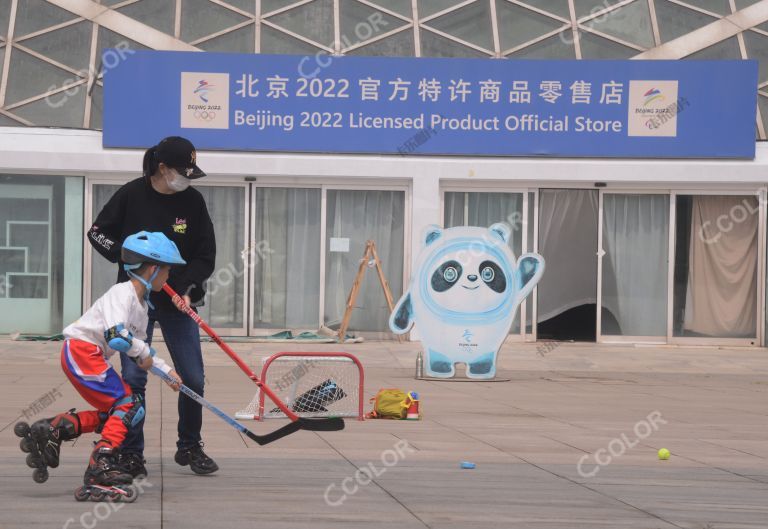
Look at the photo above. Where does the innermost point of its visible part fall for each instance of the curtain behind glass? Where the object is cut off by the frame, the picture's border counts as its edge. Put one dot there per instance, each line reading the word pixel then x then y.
pixel 568 243
pixel 224 304
pixel 453 210
pixel 360 216
pixel 721 296
pixel 635 241
pixel 484 209
pixel 287 275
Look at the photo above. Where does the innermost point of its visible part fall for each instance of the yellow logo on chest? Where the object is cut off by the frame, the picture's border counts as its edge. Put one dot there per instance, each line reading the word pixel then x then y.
pixel 180 226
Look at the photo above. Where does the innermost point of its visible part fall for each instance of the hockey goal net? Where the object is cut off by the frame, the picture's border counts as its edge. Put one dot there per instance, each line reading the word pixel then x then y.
pixel 311 385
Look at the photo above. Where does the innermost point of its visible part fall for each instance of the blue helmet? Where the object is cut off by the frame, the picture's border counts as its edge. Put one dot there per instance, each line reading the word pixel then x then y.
pixel 149 247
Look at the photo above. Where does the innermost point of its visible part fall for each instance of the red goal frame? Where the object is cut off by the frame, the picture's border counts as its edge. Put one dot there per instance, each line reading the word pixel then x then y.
pixel 268 362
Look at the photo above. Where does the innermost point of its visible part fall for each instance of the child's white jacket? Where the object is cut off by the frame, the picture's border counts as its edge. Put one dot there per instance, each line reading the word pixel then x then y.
pixel 120 304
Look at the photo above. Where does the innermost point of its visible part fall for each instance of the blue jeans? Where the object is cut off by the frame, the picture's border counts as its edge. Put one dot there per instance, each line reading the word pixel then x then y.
pixel 182 337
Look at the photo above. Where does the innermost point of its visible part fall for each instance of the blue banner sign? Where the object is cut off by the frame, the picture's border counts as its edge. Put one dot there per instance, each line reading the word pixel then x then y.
pixel 249 102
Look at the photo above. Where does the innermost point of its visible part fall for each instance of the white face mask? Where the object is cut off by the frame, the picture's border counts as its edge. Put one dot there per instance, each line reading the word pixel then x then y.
pixel 178 182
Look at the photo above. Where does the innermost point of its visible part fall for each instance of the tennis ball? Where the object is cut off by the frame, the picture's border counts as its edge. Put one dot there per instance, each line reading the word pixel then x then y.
pixel 664 454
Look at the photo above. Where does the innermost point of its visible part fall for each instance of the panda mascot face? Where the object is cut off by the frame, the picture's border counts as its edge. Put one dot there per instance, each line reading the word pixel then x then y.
pixel 469 280
pixel 463 297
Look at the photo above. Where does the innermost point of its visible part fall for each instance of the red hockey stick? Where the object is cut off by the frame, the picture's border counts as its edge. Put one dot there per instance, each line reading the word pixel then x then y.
pixel 322 424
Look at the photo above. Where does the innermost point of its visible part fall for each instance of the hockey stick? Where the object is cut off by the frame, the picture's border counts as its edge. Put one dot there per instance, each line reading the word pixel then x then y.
pixel 322 425
pixel 261 439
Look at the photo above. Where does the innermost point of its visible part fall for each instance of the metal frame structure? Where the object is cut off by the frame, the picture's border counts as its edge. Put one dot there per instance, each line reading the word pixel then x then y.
pixel 571 30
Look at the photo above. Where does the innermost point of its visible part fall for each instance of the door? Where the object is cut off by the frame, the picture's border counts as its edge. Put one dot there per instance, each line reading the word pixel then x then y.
pixel 285 259
pixel 306 246
pixel 352 217
pixel 633 267
pixel 567 293
pixel 25 258
pixel 716 269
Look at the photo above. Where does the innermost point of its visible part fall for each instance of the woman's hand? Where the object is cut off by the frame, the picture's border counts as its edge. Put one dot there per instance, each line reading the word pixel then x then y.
pixel 186 299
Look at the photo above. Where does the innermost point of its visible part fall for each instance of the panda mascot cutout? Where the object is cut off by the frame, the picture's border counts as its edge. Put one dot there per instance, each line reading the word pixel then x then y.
pixel 463 296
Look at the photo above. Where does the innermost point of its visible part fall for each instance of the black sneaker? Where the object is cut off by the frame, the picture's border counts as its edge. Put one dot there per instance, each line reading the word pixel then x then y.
pixel 197 460
pixel 133 464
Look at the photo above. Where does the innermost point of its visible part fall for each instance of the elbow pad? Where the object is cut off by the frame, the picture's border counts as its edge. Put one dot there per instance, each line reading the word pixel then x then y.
pixel 120 339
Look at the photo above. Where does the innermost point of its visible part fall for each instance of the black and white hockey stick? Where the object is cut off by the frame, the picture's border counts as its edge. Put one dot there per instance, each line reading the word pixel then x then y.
pixel 261 439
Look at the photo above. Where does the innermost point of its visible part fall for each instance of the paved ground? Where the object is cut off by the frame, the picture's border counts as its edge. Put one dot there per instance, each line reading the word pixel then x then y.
pixel 608 408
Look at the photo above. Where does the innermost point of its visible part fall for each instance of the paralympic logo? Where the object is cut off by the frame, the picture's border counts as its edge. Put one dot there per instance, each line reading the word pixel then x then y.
pixel 652 95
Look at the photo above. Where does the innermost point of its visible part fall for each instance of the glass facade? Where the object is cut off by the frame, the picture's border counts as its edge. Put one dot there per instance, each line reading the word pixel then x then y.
pixel 40 286
pixel 715 266
pixel 352 218
pixel 566 299
pixel 634 265
pixel 687 278
pixel 51 64
pixel 281 261
pixel 286 256
pixel 225 301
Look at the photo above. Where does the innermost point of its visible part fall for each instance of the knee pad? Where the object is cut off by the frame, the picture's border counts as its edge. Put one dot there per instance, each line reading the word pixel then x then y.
pixel 68 424
pixel 133 416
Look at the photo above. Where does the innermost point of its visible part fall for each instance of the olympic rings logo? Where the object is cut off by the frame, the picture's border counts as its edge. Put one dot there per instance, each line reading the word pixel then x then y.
pixel 204 115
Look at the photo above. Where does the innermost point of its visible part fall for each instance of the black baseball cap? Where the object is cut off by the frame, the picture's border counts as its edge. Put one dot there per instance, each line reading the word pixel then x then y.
pixel 180 154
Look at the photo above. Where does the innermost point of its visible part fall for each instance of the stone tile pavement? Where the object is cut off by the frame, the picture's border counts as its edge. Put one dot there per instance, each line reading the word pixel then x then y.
pixel 569 442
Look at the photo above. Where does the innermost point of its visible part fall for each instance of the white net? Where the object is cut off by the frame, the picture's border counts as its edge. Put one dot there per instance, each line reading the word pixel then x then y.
pixel 310 385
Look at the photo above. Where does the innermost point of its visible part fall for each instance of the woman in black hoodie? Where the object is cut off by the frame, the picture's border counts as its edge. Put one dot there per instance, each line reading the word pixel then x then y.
pixel 162 200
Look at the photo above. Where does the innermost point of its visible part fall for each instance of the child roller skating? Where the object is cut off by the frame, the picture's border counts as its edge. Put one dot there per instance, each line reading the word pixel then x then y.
pixel 116 322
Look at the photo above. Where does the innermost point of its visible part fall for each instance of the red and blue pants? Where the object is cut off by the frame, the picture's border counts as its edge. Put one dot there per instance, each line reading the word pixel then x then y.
pixel 100 385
